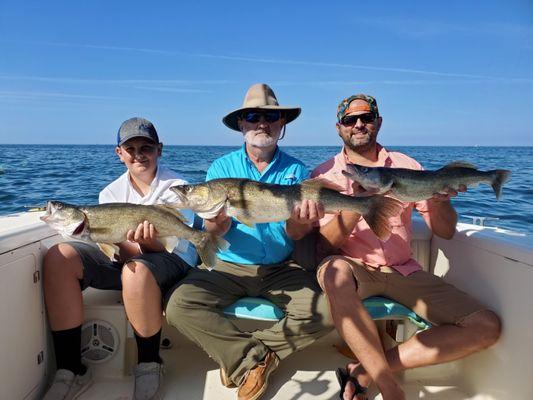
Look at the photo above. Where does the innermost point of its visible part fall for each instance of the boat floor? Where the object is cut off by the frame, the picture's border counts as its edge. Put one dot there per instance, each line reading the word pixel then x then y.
pixel 190 374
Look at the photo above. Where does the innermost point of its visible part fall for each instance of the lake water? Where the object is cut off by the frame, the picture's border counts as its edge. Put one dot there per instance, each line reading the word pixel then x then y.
pixel 32 174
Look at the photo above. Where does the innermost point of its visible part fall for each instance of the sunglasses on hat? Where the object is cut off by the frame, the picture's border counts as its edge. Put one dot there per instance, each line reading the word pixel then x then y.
pixel 350 120
pixel 255 116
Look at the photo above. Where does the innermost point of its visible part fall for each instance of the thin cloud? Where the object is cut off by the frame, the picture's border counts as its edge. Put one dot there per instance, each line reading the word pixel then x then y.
pixel 114 81
pixel 283 61
pixel 172 90
pixel 30 95
pixel 415 27
pixel 382 82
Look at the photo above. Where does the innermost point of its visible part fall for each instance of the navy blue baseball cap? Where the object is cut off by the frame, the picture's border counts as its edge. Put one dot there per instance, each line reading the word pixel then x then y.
pixel 136 127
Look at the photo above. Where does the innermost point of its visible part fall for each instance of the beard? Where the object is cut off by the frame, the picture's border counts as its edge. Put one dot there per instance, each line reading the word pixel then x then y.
pixel 260 141
pixel 360 144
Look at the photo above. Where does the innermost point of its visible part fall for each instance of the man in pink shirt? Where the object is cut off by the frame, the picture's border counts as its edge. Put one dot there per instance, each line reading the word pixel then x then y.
pixel 363 266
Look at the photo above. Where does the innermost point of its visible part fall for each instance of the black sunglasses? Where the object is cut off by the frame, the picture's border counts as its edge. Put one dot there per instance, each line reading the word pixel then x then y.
pixel 351 120
pixel 255 116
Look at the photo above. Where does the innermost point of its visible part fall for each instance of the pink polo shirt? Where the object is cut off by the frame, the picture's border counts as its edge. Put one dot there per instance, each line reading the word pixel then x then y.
pixel 363 244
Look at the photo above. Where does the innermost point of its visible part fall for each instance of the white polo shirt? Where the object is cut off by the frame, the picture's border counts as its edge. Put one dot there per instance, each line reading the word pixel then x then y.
pixel 122 191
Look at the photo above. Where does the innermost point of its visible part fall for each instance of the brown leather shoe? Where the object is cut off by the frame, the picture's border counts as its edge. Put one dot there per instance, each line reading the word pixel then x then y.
pixel 226 381
pixel 256 380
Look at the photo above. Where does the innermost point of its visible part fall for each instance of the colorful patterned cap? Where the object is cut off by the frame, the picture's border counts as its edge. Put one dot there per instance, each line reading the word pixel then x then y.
pixel 345 109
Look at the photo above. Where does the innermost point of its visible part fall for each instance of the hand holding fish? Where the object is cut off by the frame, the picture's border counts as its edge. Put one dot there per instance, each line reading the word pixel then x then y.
pixel 123 223
pixel 146 237
pixel 307 212
pixel 219 224
pixel 410 185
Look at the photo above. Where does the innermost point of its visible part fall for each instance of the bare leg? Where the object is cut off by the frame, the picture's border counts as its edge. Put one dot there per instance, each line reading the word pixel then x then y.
pixel 62 271
pixel 446 342
pixel 142 299
pixel 358 329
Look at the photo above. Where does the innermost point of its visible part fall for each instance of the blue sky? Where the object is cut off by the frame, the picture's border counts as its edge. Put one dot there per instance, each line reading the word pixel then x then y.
pixel 453 73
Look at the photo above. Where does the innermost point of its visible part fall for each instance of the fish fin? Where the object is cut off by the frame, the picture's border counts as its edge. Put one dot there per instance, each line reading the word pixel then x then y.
pixel 459 164
pixel 246 221
pixel 171 209
pixel 381 210
pixel 169 242
pixel 109 249
pixel 319 183
pixel 500 177
pixel 208 246
pixel 239 209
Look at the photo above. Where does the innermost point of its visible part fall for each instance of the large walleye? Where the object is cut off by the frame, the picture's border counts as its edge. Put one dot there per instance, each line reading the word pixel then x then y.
pixel 413 185
pixel 253 202
pixel 106 224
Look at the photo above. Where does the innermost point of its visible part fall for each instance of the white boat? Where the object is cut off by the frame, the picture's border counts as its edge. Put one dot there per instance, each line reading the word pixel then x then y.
pixel 493 265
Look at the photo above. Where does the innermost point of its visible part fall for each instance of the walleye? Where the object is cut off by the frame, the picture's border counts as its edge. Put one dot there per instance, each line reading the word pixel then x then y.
pixel 106 224
pixel 412 185
pixel 252 202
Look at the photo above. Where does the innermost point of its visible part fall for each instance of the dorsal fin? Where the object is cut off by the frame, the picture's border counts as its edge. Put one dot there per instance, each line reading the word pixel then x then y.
pixel 460 164
pixel 318 183
pixel 172 210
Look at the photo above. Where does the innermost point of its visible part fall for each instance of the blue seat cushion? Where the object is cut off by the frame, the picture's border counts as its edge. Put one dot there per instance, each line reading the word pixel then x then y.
pixel 378 307
pixel 255 308
pixel 384 308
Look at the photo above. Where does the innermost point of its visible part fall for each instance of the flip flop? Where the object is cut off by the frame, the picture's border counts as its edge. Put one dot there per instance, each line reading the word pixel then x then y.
pixel 344 377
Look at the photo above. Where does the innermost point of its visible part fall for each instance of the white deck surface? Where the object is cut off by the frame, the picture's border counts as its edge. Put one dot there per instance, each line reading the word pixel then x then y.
pixel 192 375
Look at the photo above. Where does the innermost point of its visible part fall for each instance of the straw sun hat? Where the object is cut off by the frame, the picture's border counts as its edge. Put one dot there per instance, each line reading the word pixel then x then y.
pixel 260 97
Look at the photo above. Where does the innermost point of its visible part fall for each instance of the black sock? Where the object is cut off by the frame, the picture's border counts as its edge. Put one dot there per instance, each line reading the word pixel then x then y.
pixel 148 348
pixel 67 348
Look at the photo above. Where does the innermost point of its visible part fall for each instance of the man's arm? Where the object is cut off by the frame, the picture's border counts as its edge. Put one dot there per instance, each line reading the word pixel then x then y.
pixel 333 234
pixel 441 216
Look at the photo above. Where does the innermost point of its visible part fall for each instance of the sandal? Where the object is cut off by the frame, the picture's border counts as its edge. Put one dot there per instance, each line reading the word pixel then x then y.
pixel 343 378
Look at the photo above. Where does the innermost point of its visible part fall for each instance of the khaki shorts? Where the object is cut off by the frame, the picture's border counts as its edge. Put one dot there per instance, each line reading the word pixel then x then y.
pixel 426 294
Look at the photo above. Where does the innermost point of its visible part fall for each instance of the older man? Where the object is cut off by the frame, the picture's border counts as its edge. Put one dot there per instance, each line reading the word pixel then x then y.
pixel 258 262
pixel 366 267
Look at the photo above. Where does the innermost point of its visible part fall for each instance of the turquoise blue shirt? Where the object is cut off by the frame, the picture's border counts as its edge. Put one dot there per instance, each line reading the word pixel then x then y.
pixel 266 243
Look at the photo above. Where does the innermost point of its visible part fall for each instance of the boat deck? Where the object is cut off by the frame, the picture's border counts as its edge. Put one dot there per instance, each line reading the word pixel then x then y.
pixel 190 374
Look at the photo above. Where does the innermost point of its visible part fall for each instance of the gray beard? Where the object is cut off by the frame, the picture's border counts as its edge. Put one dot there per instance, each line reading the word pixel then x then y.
pixel 261 142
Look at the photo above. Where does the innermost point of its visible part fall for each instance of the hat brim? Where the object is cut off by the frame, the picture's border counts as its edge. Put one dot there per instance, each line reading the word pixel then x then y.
pixel 289 114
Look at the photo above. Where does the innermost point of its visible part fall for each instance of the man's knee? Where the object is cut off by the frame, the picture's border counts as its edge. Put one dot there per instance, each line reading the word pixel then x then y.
pixel 335 273
pixel 487 326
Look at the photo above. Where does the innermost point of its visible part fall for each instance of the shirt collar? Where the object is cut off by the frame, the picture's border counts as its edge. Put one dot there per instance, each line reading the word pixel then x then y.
pixel 153 184
pixel 277 155
pixel 384 158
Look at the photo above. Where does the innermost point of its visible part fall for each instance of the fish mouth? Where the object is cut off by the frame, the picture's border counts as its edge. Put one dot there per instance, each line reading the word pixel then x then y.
pixel 79 229
pixel 48 213
pixel 179 194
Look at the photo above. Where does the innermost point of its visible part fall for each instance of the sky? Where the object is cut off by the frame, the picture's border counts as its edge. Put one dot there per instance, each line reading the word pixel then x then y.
pixel 452 73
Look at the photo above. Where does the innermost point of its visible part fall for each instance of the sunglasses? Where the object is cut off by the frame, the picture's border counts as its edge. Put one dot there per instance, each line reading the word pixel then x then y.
pixel 255 116
pixel 351 120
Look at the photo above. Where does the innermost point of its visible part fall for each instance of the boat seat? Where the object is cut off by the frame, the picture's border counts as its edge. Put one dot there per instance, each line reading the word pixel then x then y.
pixel 260 309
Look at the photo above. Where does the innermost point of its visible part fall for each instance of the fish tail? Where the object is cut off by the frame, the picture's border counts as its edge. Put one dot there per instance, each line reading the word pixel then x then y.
pixel 379 213
pixel 500 176
pixel 208 247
